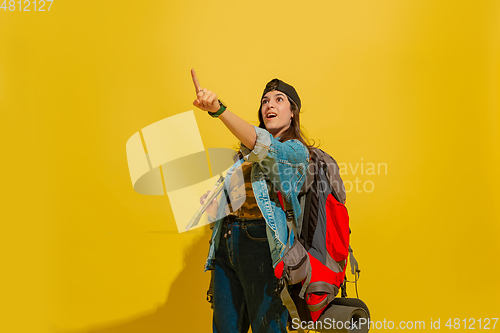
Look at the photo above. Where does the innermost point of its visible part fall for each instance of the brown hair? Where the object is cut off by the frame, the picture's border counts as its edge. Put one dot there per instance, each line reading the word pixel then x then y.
pixel 294 131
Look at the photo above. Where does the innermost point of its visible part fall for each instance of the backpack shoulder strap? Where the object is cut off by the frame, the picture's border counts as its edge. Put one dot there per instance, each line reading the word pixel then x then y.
pixel 333 174
pixel 310 172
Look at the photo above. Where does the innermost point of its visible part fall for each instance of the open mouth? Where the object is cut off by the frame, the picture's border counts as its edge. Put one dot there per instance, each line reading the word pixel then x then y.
pixel 271 115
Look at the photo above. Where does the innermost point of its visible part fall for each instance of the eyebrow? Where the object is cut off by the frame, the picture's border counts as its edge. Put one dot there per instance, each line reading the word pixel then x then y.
pixel 278 94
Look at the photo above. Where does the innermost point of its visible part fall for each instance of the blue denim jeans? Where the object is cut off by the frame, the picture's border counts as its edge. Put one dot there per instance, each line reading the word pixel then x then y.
pixel 244 281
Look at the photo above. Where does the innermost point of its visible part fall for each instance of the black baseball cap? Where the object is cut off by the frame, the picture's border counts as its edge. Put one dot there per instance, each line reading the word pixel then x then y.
pixel 283 87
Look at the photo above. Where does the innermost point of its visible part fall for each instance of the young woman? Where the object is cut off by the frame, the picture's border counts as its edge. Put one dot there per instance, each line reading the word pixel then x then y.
pixel 249 241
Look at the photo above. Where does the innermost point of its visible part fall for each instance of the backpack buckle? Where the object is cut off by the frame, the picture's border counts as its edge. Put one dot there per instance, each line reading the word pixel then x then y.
pixel 280 286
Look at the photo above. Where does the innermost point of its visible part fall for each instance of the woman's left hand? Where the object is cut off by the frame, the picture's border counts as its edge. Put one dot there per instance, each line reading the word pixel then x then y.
pixel 212 208
pixel 206 100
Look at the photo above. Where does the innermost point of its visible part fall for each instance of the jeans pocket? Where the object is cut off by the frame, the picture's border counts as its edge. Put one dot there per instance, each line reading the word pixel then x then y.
pixel 256 232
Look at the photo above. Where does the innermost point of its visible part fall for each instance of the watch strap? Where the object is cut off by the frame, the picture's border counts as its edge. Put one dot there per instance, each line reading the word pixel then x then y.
pixel 218 112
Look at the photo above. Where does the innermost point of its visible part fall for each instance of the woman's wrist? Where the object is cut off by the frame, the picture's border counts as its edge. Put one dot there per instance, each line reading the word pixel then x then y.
pixel 222 108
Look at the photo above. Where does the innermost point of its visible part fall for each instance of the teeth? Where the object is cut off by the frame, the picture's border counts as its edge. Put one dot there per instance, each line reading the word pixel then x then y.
pixel 271 114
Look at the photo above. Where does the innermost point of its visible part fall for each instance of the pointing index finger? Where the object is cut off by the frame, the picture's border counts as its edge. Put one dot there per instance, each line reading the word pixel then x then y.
pixel 195 81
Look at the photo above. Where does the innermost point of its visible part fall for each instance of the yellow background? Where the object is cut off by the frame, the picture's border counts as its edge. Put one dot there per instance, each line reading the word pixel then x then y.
pixel 413 84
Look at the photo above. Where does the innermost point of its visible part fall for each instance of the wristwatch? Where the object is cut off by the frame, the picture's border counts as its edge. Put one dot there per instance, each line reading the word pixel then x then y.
pixel 222 108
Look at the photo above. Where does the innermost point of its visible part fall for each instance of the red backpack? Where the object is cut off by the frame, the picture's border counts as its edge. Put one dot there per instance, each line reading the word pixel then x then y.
pixel 314 266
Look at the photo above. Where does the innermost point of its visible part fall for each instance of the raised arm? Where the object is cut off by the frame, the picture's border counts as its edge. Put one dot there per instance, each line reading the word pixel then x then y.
pixel 207 101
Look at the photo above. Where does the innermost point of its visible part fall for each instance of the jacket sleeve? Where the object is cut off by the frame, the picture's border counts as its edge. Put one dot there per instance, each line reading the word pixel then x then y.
pixel 279 160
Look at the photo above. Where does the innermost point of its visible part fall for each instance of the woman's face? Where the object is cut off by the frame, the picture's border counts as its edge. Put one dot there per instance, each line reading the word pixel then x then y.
pixel 276 112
